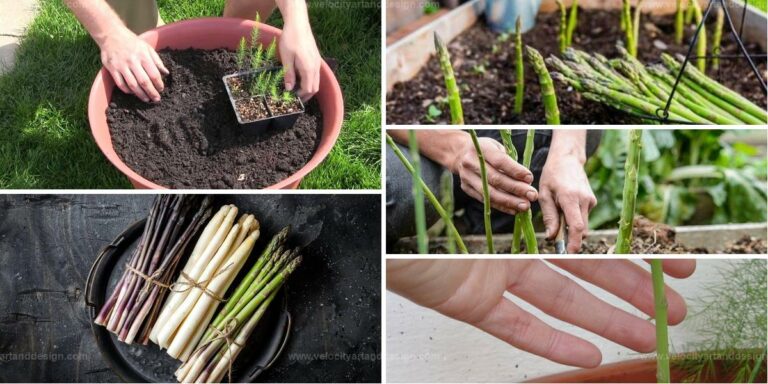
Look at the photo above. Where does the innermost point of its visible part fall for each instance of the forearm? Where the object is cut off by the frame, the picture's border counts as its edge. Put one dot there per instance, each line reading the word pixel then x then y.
pixel 293 11
pixel 442 146
pixel 569 142
pixel 97 17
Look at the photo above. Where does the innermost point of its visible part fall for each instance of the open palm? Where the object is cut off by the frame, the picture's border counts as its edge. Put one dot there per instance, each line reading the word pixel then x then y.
pixel 473 291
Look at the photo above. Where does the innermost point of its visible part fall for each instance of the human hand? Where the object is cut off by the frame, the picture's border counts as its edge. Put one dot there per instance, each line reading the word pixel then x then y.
pixel 299 55
pixel 133 64
pixel 564 186
pixel 472 291
pixel 509 183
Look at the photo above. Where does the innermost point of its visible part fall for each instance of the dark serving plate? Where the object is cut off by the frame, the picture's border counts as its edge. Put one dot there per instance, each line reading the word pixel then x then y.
pixel 147 363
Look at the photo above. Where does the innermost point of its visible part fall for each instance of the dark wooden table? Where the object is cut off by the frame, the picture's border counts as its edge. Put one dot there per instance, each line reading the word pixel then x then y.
pixel 48 243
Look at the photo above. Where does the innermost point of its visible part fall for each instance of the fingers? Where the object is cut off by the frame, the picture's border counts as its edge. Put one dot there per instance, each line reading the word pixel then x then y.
pixel 577 227
pixel 549 214
pixel 678 268
pixel 310 80
pixel 289 79
pixel 627 281
pixel 560 297
pixel 158 62
pixel 133 84
pixel 119 81
pixel 512 186
pixel 154 76
pixel 522 330
pixel 142 78
pixel 472 184
pixel 501 161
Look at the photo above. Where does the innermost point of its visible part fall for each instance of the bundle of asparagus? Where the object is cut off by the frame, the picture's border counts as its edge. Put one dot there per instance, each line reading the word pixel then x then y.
pixel 627 85
pixel 229 331
pixel 133 308
pixel 219 254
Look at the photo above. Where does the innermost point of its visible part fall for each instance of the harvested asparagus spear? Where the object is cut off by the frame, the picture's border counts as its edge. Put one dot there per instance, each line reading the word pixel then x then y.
pixel 486 193
pixel 454 99
pixel 519 68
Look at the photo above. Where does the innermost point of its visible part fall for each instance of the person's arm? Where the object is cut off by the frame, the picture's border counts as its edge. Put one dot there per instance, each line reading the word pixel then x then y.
pixel 564 186
pixel 298 50
pixel 133 64
pixel 508 181
pixel 473 291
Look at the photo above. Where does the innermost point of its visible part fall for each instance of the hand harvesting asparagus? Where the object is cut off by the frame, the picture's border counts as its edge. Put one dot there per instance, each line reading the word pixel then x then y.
pixel 563 185
pixel 473 291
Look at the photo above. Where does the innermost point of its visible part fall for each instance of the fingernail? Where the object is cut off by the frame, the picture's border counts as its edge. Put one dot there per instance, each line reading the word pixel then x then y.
pixel 531 195
pixel 522 206
pixel 528 178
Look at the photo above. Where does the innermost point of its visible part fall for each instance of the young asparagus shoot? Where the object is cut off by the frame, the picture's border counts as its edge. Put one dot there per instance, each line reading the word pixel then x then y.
pixel 242 51
pixel 486 193
pixel 506 140
pixel 561 38
pixel 454 99
pixel 717 38
pixel 255 37
pixel 418 195
pixel 628 28
pixel 660 306
pixel 276 81
pixel 701 39
pixel 524 220
pixel 629 197
pixel 430 196
pixel 636 25
pixel 679 22
pixel 271 51
pixel 257 57
pixel 519 68
pixel 286 97
pixel 446 199
pixel 548 95
pixel 573 20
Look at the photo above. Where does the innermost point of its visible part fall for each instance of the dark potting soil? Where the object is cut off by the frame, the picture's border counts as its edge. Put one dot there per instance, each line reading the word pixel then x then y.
pixel 487 81
pixel 191 138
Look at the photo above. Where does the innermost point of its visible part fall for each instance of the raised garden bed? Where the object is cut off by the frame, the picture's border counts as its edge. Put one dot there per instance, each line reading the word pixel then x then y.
pixel 648 238
pixel 484 66
pixel 192 138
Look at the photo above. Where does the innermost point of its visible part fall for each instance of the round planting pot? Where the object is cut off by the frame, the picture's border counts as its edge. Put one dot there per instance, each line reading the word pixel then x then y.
pixel 644 371
pixel 212 33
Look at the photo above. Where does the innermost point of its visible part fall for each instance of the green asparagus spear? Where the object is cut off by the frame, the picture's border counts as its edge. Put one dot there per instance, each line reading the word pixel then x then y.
pixel 629 196
pixel 519 69
pixel 548 95
pixel 418 195
pixel 454 99
pixel 486 193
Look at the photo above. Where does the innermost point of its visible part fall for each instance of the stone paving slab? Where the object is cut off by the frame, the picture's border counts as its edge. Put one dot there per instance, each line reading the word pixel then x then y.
pixel 14 19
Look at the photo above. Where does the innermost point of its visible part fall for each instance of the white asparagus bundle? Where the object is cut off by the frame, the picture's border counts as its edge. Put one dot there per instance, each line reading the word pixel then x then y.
pixel 220 253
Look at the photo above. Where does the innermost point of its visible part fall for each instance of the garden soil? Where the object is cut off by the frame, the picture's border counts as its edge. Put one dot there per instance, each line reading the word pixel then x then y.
pixel 191 138
pixel 487 81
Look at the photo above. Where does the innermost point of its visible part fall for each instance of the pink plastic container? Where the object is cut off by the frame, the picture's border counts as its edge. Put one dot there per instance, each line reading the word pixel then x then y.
pixel 212 33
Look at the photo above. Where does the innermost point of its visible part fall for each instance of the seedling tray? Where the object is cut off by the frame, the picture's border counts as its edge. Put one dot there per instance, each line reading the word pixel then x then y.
pixel 272 120
pixel 147 363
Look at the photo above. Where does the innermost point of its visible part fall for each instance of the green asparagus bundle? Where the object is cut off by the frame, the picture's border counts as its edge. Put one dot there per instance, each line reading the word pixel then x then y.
pixel 625 84
pixel 229 332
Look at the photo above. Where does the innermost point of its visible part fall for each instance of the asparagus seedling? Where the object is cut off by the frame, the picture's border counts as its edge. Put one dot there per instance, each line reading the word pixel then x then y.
pixel 573 19
pixel 679 22
pixel 628 29
pixel 548 95
pixel 660 306
pixel 242 50
pixel 257 57
pixel 717 38
pixel 629 196
pixel 418 195
pixel 563 26
pixel 519 68
pixel 454 99
pixel 689 12
pixel 636 25
pixel 271 51
pixel 429 195
pixel 701 40
pixel 486 193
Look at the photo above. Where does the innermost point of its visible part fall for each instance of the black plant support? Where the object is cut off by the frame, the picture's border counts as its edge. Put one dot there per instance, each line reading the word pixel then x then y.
pixel 662 114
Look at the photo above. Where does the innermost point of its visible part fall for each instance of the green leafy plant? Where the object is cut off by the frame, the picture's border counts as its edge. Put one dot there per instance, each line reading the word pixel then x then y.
pixel 271 51
pixel 242 51
pixel 431 7
pixel 433 112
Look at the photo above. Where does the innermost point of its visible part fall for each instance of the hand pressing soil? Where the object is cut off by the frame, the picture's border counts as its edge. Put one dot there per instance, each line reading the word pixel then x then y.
pixel 191 138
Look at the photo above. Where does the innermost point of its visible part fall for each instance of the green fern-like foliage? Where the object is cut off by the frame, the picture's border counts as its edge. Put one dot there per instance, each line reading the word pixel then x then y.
pixel 242 50
pixel 271 51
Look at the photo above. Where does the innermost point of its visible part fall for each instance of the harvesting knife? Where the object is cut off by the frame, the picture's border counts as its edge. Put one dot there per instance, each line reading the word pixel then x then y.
pixel 560 238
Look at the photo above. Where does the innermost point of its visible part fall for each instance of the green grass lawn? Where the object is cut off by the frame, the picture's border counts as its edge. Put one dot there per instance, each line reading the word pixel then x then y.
pixel 46 140
pixel 761 4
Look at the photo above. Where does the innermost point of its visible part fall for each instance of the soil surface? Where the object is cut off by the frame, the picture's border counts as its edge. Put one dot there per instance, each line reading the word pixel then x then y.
pixel 251 109
pixel 279 107
pixel 487 82
pixel 191 139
